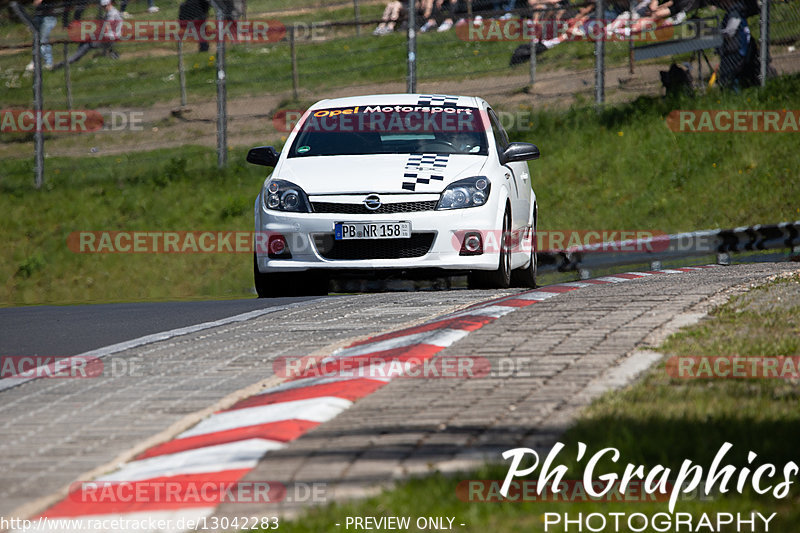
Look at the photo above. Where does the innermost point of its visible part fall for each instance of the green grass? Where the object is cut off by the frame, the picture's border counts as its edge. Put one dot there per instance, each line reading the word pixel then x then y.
pixel 625 168
pixel 660 420
pixel 163 191
pixel 589 177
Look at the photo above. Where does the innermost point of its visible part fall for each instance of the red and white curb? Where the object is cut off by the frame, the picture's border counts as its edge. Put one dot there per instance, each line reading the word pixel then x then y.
pixel 228 444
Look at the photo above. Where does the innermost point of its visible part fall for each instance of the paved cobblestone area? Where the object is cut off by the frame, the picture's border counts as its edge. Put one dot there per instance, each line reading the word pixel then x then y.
pixel 55 431
pixel 566 351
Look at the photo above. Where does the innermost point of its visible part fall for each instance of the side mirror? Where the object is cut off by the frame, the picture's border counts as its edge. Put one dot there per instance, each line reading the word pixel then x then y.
pixel 519 152
pixel 263 155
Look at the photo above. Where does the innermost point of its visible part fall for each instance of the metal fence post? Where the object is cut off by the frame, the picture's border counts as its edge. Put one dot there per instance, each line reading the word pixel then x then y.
pixel 632 9
pixel 181 73
pixel 599 56
pixel 38 135
pixel 764 38
pixel 222 112
pixel 67 77
pixel 534 40
pixel 357 17
pixel 293 53
pixel 411 81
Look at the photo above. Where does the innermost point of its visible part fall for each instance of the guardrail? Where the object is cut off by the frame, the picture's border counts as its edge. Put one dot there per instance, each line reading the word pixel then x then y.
pixel 785 235
pixel 698 34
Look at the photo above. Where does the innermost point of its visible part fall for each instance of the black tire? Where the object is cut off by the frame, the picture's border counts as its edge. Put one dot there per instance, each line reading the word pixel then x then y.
pixel 314 284
pixel 500 278
pixel 526 276
pixel 299 284
pixel 264 288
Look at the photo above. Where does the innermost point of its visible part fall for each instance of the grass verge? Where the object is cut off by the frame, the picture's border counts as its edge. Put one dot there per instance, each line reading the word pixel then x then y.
pixel 622 169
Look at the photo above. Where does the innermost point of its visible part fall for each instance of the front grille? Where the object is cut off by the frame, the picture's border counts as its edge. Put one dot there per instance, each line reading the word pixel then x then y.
pixel 415 246
pixel 361 209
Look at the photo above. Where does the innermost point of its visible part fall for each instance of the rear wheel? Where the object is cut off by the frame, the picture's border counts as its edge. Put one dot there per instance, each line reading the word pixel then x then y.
pixel 526 276
pixel 274 285
pixel 500 278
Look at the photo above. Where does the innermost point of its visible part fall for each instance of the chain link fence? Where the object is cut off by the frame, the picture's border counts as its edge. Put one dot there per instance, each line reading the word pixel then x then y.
pixel 149 98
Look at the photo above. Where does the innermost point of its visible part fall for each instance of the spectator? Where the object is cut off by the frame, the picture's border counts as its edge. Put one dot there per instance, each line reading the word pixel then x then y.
pixel 151 8
pixel 670 13
pixel 543 14
pixel 546 17
pixel 435 13
pixel 392 15
pixel 738 61
pixel 112 28
pixel 194 11
pixel 506 7
pixel 45 20
pixel 621 19
pixel 79 7
pixel 493 6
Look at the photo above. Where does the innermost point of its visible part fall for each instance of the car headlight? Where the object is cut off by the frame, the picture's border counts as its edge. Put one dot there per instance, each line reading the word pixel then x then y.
pixel 469 192
pixel 280 195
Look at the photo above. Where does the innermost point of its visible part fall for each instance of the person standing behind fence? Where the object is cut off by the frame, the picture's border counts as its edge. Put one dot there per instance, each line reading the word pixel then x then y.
pixel 738 56
pixel 76 7
pixel 45 20
pixel 194 11
pixel 111 31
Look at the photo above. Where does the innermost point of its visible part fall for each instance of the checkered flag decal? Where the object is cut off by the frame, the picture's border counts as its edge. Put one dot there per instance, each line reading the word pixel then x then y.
pixel 422 168
pixel 437 100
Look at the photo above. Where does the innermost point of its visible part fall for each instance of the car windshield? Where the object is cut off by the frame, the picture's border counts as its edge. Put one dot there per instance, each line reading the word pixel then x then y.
pixel 392 129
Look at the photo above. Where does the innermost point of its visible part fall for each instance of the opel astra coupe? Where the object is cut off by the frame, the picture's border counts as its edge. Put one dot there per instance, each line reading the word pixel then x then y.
pixel 406 185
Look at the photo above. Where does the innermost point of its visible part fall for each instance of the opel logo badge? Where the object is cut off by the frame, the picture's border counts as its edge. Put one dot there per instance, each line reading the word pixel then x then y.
pixel 372 202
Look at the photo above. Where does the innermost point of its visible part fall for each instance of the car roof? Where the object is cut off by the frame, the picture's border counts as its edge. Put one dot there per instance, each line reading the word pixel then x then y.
pixel 404 99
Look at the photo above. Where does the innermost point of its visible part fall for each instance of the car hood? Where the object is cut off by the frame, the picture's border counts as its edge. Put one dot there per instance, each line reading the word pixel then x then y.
pixel 379 173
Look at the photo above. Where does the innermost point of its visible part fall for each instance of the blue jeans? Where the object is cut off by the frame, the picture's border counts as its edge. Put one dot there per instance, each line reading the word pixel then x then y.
pixel 506 6
pixel 124 5
pixel 46 26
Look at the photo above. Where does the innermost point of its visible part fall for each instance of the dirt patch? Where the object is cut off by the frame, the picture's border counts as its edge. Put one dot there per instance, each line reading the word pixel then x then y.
pixel 167 125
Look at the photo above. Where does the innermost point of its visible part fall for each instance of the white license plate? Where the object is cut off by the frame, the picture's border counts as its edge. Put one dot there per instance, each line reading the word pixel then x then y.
pixel 372 230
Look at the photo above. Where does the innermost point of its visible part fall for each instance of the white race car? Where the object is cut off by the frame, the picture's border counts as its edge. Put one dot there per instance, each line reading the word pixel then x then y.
pixel 407 185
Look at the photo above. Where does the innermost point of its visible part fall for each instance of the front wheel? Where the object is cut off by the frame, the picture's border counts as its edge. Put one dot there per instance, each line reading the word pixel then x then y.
pixel 289 284
pixel 526 276
pixel 500 278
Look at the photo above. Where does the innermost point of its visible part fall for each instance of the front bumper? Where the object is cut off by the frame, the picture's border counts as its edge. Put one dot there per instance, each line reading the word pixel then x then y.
pixel 310 238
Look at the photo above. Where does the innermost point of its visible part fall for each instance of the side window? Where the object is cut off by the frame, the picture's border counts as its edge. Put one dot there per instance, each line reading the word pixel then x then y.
pixel 500 135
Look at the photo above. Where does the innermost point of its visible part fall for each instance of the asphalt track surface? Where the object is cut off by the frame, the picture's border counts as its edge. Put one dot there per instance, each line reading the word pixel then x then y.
pixel 577 344
pixel 50 330
pixel 55 431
